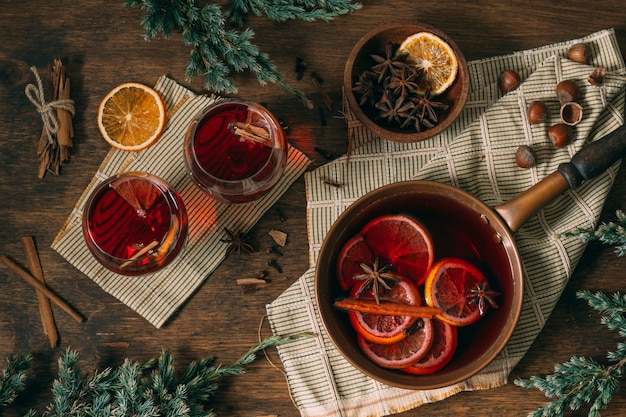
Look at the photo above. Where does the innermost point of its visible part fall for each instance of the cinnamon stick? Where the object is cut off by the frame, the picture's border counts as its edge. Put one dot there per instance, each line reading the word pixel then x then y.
pixel 42 287
pixel 45 309
pixel 386 308
pixel 64 117
pixel 140 253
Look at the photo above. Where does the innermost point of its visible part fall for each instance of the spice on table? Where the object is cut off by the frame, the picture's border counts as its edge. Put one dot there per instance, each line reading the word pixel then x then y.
pixel 328 155
pixel 273 250
pixel 279 237
pixel 301 66
pixel 45 309
pixel 42 287
pixel 274 264
pixel 251 284
pixel 317 83
pixel 237 242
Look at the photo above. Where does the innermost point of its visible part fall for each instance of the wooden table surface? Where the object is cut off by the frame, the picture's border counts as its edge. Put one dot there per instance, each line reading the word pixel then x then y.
pixel 102 45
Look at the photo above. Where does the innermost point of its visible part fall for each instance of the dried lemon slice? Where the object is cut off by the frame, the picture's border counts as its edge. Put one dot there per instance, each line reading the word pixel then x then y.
pixel 131 117
pixel 435 58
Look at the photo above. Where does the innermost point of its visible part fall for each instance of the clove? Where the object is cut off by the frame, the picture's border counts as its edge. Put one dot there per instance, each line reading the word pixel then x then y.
pixel 274 264
pixel 329 155
pixel 273 250
pixel 301 66
pixel 317 80
pixel 331 183
pixel 323 118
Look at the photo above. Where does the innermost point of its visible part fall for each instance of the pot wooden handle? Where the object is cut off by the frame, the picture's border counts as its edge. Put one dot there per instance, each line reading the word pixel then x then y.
pixel 595 158
pixel 592 160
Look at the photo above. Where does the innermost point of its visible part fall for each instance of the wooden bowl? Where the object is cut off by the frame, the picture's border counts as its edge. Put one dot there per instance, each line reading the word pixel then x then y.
pixel 461 226
pixel 375 42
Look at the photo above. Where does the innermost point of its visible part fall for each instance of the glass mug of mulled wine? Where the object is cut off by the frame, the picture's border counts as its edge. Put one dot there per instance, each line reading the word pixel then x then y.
pixel 235 150
pixel 134 223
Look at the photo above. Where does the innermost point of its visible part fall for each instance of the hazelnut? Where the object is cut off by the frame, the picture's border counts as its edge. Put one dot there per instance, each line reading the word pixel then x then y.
pixel 525 157
pixel 571 113
pixel 579 53
pixel 567 90
pixel 538 112
pixel 560 134
pixel 597 76
pixel 508 80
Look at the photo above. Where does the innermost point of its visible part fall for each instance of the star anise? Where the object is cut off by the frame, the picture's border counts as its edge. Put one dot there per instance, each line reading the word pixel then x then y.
pixel 375 277
pixel 482 295
pixel 425 111
pixel 237 242
pixel 404 82
pixel 390 63
pixel 393 109
pixel 366 87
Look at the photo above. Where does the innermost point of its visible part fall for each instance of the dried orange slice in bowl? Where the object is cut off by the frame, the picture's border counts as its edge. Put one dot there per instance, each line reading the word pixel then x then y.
pixel 131 117
pixel 435 58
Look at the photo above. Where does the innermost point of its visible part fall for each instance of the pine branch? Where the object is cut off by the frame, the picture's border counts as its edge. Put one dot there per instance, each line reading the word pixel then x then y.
pixel 582 381
pixel 612 233
pixel 217 50
pixel 137 389
pixel 12 379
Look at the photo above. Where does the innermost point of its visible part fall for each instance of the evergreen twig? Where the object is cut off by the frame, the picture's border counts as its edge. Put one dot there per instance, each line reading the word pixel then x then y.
pixel 12 379
pixel 219 49
pixel 580 380
pixel 137 389
pixel 611 233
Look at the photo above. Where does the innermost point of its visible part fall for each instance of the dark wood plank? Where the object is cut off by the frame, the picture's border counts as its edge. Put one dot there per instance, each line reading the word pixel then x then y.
pixel 101 44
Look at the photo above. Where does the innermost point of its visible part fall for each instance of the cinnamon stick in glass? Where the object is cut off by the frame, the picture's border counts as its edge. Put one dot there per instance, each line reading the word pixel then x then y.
pixel 45 309
pixel 42 287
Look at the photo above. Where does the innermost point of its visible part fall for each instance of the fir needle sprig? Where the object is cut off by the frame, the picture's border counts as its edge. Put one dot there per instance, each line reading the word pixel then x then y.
pixel 12 378
pixel 219 47
pixel 581 381
pixel 134 388
pixel 611 233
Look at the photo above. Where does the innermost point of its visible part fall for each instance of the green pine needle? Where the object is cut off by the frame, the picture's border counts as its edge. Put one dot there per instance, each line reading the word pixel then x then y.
pixel 611 233
pixel 138 389
pixel 12 378
pixel 581 381
pixel 219 47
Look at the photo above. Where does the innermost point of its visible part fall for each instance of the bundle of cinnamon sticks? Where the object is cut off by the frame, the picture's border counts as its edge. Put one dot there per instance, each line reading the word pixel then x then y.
pixel 53 154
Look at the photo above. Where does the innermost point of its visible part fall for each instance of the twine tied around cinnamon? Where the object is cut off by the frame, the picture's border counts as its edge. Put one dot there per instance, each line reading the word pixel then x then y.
pixel 47 110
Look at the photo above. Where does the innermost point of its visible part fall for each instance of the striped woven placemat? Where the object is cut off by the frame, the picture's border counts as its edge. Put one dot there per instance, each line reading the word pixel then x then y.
pixel 475 154
pixel 157 296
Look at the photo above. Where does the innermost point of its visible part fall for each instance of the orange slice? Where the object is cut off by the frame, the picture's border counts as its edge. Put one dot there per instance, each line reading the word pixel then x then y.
pixel 435 58
pixel 449 285
pixel 140 193
pixel 404 353
pixel 131 117
pixel 383 329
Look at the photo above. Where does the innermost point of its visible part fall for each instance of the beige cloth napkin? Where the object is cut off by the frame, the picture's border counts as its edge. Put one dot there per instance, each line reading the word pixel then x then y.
pixel 157 296
pixel 475 154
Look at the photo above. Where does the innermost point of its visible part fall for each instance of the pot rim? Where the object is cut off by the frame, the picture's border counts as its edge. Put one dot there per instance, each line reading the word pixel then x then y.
pixel 398 378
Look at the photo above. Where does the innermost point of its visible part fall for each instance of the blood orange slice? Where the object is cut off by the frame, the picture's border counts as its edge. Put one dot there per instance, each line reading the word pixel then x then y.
pixel 403 353
pixel 352 255
pixel 445 341
pixel 449 286
pixel 403 242
pixel 383 329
